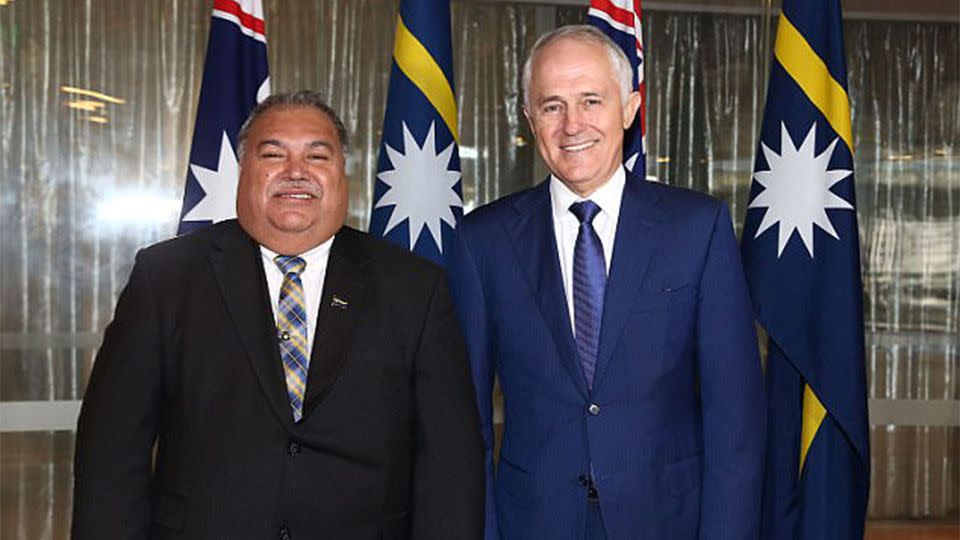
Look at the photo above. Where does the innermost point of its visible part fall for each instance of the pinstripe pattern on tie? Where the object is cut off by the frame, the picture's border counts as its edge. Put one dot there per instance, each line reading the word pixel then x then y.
pixel 292 331
pixel 589 283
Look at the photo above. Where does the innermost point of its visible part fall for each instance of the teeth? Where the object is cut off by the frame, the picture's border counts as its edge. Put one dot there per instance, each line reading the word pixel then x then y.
pixel 302 196
pixel 578 147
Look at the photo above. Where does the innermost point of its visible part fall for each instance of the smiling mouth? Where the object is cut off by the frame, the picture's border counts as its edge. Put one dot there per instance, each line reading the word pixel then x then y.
pixel 579 147
pixel 296 196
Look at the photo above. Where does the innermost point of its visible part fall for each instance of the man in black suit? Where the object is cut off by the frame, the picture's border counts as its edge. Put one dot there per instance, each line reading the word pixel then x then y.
pixel 209 415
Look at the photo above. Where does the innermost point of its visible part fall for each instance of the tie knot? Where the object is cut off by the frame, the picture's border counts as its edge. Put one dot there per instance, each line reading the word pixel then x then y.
pixel 289 264
pixel 585 210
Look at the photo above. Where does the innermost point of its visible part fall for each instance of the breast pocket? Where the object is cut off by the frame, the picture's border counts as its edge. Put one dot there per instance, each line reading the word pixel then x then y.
pixel 682 301
pixel 664 298
pixel 661 325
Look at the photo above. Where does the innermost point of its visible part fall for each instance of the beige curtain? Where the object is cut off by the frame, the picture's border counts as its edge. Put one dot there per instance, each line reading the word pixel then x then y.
pixel 87 180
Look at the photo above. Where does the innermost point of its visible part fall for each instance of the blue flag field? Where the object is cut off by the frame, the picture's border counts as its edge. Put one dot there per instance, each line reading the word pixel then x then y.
pixel 234 81
pixel 802 256
pixel 418 192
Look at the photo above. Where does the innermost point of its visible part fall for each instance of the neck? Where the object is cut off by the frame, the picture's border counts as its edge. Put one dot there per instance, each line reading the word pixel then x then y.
pixel 291 244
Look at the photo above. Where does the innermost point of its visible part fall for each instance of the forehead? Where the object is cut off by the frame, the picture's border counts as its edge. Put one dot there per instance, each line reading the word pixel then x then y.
pixel 293 122
pixel 571 61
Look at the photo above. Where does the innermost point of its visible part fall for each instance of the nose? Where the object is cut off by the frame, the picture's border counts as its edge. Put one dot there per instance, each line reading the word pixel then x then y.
pixel 572 120
pixel 296 168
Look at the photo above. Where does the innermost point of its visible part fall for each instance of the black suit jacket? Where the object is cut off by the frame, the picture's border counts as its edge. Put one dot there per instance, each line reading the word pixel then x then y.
pixel 388 447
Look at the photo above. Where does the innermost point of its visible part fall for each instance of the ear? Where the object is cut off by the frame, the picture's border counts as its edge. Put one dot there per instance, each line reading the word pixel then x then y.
pixel 526 113
pixel 630 109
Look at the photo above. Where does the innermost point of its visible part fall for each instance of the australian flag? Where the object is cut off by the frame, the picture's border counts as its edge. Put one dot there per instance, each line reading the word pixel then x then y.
pixel 802 255
pixel 620 20
pixel 234 81
pixel 417 197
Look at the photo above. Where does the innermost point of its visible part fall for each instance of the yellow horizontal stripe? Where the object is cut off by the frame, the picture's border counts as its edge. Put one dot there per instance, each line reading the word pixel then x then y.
pixel 811 74
pixel 813 415
pixel 416 62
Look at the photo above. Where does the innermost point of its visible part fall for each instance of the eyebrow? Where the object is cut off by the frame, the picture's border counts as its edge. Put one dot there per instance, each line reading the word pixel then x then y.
pixel 320 144
pixel 311 144
pixel 557 97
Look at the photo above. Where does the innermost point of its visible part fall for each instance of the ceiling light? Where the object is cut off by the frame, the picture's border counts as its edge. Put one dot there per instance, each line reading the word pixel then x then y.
pixel 85 105
pixel 92 93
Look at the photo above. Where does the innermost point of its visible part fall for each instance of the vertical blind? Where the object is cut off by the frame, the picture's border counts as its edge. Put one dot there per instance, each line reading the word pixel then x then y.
pixel 97 103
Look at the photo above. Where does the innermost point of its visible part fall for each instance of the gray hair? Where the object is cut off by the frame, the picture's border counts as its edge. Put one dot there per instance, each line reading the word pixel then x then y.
pixel 583 33
pixel 300 98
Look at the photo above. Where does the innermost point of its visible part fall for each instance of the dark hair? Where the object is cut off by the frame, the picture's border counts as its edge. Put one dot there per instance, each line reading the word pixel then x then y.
pixel 300 98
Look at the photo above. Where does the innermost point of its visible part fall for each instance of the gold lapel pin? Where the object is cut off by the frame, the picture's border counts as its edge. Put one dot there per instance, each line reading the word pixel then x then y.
pixel 339 303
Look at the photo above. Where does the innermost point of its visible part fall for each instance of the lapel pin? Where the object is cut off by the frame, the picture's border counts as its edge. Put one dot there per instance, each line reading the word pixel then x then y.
pixel 339 303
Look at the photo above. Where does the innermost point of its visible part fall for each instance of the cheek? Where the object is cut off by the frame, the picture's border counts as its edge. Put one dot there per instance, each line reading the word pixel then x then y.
pixel 247 191
pixel 253 183
pixel 543 129
pixel 333 184
pixel 548 139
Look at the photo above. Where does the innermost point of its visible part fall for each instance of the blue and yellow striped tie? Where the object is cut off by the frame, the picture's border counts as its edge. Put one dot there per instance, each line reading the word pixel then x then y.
pixel 292 330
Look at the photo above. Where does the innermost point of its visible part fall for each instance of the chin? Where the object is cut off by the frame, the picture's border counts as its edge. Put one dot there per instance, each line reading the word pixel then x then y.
pixel 291 224
pixel 579 178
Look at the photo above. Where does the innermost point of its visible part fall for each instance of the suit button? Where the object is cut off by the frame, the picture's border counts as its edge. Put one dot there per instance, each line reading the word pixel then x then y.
pixel 584 480
pixel 593 409
pixel 284 534
pixel 285 336
pixel 294 449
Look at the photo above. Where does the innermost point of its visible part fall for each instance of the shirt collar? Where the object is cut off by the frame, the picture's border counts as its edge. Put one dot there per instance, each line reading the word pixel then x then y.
pixel 311 257
pixel 607 196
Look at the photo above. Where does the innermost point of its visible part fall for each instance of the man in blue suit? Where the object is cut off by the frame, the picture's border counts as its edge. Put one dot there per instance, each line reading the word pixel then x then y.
pixel 615 313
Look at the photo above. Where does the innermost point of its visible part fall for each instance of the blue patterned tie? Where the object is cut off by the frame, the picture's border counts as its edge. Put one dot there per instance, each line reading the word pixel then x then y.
pixel 589 282
pixel 292 331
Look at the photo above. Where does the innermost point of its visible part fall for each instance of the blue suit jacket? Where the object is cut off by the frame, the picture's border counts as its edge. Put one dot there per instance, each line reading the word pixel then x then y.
pixel 677 445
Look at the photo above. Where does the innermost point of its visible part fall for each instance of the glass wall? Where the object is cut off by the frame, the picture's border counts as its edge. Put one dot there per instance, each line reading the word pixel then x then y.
pixel 87 178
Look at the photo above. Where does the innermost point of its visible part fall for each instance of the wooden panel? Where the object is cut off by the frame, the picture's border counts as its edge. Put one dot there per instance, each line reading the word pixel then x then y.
pixel 912 530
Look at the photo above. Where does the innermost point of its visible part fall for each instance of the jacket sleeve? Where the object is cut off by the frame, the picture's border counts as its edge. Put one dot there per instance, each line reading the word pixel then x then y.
pixel 468 297
pixel 118 421
pixel 448 460
pixel 732 395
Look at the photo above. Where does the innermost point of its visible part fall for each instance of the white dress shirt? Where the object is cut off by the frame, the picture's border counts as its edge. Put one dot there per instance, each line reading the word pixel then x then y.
pixel 311 278
pixel 566 226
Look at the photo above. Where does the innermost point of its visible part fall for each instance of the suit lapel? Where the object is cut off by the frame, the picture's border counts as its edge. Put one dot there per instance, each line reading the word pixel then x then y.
pixel 342 301
pixel 635 243
pixel 239 274
pixel 536 247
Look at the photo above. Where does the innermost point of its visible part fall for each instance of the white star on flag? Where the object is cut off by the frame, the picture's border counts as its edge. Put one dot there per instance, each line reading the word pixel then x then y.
pixel 797 189
pixel 421 187
pixel 220 187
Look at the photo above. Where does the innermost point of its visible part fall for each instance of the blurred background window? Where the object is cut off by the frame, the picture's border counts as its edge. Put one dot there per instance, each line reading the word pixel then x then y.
pixel 97 104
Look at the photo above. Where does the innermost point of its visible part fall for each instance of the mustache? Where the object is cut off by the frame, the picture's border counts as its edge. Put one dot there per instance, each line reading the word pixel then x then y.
pixel 299 186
